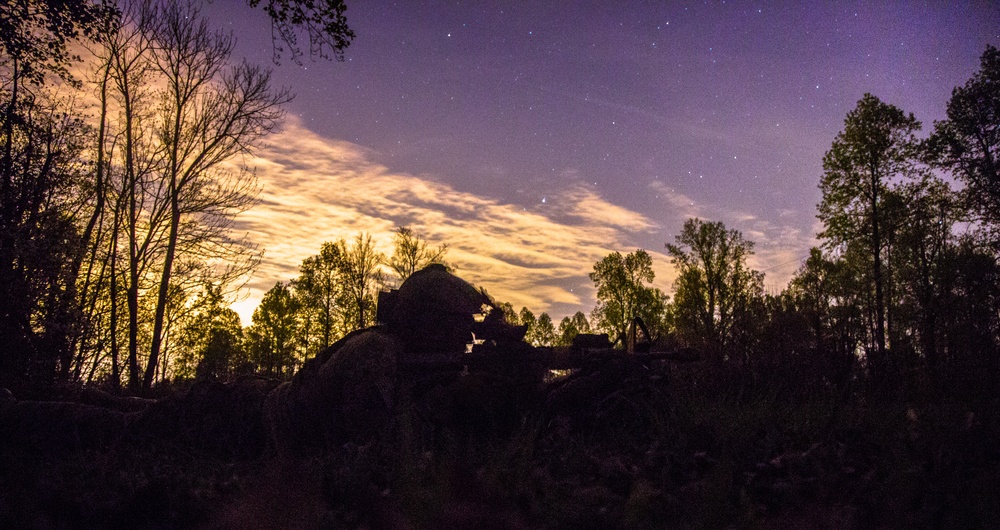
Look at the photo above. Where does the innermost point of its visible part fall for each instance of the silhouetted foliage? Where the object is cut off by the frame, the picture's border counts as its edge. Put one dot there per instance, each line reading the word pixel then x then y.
pixel 322 297
pixel 968 142
pixel 715 289
pixel 272 337
pixel 400 427
pixel 211 340
pixel 824 296
pixel 876 145
pixel 43 198
pixel 35 36
pixel 622 293
pixel 541 332
pixel 324 22
pixel 410 253
pixel 362 276
pixel 570 327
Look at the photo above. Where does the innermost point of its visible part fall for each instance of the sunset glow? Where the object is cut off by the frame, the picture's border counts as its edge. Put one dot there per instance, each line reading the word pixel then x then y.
pixel 534 141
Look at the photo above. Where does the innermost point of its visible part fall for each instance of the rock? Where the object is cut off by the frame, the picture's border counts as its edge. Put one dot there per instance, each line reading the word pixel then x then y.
pixel 350 396
pixel 360 382
pixel 57 427
pixel 435 311
pixel 100 398
pixel 6 397
pixel 590 341
pixel 221 418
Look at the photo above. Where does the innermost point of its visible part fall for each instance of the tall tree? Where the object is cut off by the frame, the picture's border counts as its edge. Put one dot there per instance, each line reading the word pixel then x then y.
pixel 41 202
pixel 527 319
pixel 968 142
pixel 322 294
pixel 210 114
pixel 924 246
pixel 570 327
pixel 211 337
pixel 362 276
pixel 825 295
pixel 714 285
pixel 509 314
pixel 876 145
pixel 128 161
pixel 542 332
pixel 40 155
pixel 272 335
pixel 623 293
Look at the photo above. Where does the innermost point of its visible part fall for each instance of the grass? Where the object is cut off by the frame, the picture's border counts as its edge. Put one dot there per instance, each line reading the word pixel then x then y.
pixel 644 454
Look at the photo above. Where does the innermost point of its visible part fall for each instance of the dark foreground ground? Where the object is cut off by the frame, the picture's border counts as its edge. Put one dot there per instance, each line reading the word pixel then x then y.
pixel 645 451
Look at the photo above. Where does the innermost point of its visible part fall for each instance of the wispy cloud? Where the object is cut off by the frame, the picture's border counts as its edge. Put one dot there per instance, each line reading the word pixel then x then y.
pixel 779 247
pixel 317 189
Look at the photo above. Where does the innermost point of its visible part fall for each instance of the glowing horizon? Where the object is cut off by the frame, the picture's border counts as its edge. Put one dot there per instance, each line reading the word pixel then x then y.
pixel 316 190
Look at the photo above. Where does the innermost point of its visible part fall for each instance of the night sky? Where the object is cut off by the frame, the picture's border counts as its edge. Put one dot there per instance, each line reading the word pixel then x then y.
pixel 536 137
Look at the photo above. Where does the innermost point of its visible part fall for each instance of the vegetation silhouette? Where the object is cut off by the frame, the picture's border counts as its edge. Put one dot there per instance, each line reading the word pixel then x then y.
pixel 863 395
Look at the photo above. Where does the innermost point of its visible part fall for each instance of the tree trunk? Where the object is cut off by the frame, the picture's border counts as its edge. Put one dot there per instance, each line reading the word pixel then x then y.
pixel 881 364
pixel 162 295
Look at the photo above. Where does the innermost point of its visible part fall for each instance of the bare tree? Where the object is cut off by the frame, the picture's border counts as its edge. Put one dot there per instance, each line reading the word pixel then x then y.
pixel 209 114
pixel 174 113
pixel 362 275
pixel 411 253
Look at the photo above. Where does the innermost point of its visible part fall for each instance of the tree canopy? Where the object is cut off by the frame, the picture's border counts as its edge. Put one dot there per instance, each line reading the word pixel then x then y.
pixel 714 285
pixel 877 144
pixel 324 22
pixel 968 142
pixel 623 292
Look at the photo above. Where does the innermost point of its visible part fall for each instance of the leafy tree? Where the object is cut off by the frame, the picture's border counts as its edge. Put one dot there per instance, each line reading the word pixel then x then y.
pixel 622 293
pixel 212 335
pixel 35 35
pixel 164 86
pixel 272 335
pixel 876 145
pixel 411 253
pixel 321 293
pixel 509 314
pixel 43 205
pixel 924 244
pixel 570 327
pixel 825 294
pixel 714 286
pixel 969 320
pixel 968 142
pixel 527 319
pixel 542 332
pixel 813 291
pixel 223 356
pixel 43 192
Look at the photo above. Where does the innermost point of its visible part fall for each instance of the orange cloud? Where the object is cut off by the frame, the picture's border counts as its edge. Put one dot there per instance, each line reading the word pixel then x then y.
pixel 316 189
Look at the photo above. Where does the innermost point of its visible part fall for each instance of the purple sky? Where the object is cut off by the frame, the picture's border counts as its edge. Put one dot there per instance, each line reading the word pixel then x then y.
pixel 536 137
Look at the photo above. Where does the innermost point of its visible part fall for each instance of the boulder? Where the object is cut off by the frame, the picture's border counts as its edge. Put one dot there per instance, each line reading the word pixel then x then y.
pixel 347 393
pixel 224 419
pixel 57 427
pixel 435 311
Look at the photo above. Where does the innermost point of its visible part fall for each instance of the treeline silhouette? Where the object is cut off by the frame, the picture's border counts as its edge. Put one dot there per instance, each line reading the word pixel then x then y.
pixel 117 258
pixel 865 393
